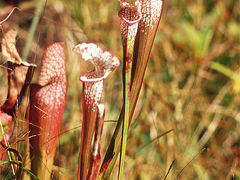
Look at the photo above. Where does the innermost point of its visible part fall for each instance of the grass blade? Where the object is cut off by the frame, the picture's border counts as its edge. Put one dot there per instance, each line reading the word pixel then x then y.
pixel 33 28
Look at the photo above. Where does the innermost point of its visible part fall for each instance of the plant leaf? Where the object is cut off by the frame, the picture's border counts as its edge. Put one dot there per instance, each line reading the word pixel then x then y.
pixel 19 72
pixel 9 50
pixel 47 102
pixel 151 14
pixel 92 91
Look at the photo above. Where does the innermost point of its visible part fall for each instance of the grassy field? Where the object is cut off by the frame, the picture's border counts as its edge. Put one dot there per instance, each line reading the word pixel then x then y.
pixel 192 85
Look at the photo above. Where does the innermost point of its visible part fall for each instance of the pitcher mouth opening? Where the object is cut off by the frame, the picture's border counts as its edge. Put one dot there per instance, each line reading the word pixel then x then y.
pixel 129 14
pixel 104 62
pixel 93 76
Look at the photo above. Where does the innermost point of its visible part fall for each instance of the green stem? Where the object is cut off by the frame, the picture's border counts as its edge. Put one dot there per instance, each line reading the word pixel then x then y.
pixel 127 93
pixel 33 27
pixel 222 69
pixel 10 154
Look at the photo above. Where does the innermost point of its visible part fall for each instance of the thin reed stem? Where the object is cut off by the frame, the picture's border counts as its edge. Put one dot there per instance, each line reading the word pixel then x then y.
pixel 10 155
pixel 33 28
pixel 127 93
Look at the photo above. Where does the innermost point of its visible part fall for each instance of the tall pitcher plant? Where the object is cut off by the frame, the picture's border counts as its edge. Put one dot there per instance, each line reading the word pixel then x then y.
pixel 93 111
pixel 130 16
pixel 150 12
pixel 47 102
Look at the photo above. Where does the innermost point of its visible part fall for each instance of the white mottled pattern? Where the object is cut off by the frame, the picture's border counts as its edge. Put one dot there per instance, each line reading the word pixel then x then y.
pixel 104 63
pixel 92 93
pixel 151 12
pixel 130 16
pixel 53 64
pixel 47 101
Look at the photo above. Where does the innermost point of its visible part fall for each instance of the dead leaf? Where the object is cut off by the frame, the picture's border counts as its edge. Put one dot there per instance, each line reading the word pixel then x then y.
pixel 19 72
pixel 9 50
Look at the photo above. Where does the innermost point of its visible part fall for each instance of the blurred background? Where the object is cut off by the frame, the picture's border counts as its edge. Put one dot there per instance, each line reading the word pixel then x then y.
pixel 192 85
